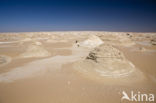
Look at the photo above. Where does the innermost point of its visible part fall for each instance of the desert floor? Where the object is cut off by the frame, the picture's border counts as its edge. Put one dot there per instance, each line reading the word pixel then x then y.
pixel 76 67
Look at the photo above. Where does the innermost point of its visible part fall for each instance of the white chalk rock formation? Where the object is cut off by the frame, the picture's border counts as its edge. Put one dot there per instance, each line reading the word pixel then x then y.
pixel 92 42
pixel 106 61
pixel 125 41
pixel 35 51
pixel 4 60
pixel 27 39
pixel 38 43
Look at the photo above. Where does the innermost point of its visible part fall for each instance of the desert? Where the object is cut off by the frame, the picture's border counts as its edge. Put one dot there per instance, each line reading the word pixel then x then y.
pixel 75 66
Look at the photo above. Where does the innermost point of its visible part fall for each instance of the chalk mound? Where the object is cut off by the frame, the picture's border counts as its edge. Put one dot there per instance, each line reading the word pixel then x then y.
pixel 142 49
pixel 4 60
pixel 26 39
pixel 50 41
pixel 55 41
pixel 35 51
pixel 106 61
pixel 37 43
pixel 125 41
pixel 92 42
pixel 153 41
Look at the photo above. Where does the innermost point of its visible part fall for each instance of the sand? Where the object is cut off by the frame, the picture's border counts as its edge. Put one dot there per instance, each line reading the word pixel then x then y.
pixel 76 67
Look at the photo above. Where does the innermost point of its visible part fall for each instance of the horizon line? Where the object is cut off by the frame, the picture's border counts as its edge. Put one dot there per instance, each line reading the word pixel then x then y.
pixel 79 31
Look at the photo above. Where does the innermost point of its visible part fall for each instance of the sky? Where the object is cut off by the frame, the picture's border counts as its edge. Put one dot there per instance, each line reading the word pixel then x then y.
pixel 77 15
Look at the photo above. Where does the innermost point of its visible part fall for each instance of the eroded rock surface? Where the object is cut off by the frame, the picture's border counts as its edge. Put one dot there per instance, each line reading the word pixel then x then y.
pixel 106 61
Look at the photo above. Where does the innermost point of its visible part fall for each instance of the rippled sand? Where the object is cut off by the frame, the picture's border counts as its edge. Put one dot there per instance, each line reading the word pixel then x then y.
pixel 76 67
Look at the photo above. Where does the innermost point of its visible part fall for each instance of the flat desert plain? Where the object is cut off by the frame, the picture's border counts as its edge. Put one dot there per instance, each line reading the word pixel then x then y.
pixel 77 67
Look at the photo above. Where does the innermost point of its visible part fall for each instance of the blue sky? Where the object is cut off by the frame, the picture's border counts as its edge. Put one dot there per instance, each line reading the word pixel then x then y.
pixel 62 15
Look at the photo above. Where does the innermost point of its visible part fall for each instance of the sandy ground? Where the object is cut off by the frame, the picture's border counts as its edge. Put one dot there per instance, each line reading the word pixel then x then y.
pixel 76 67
